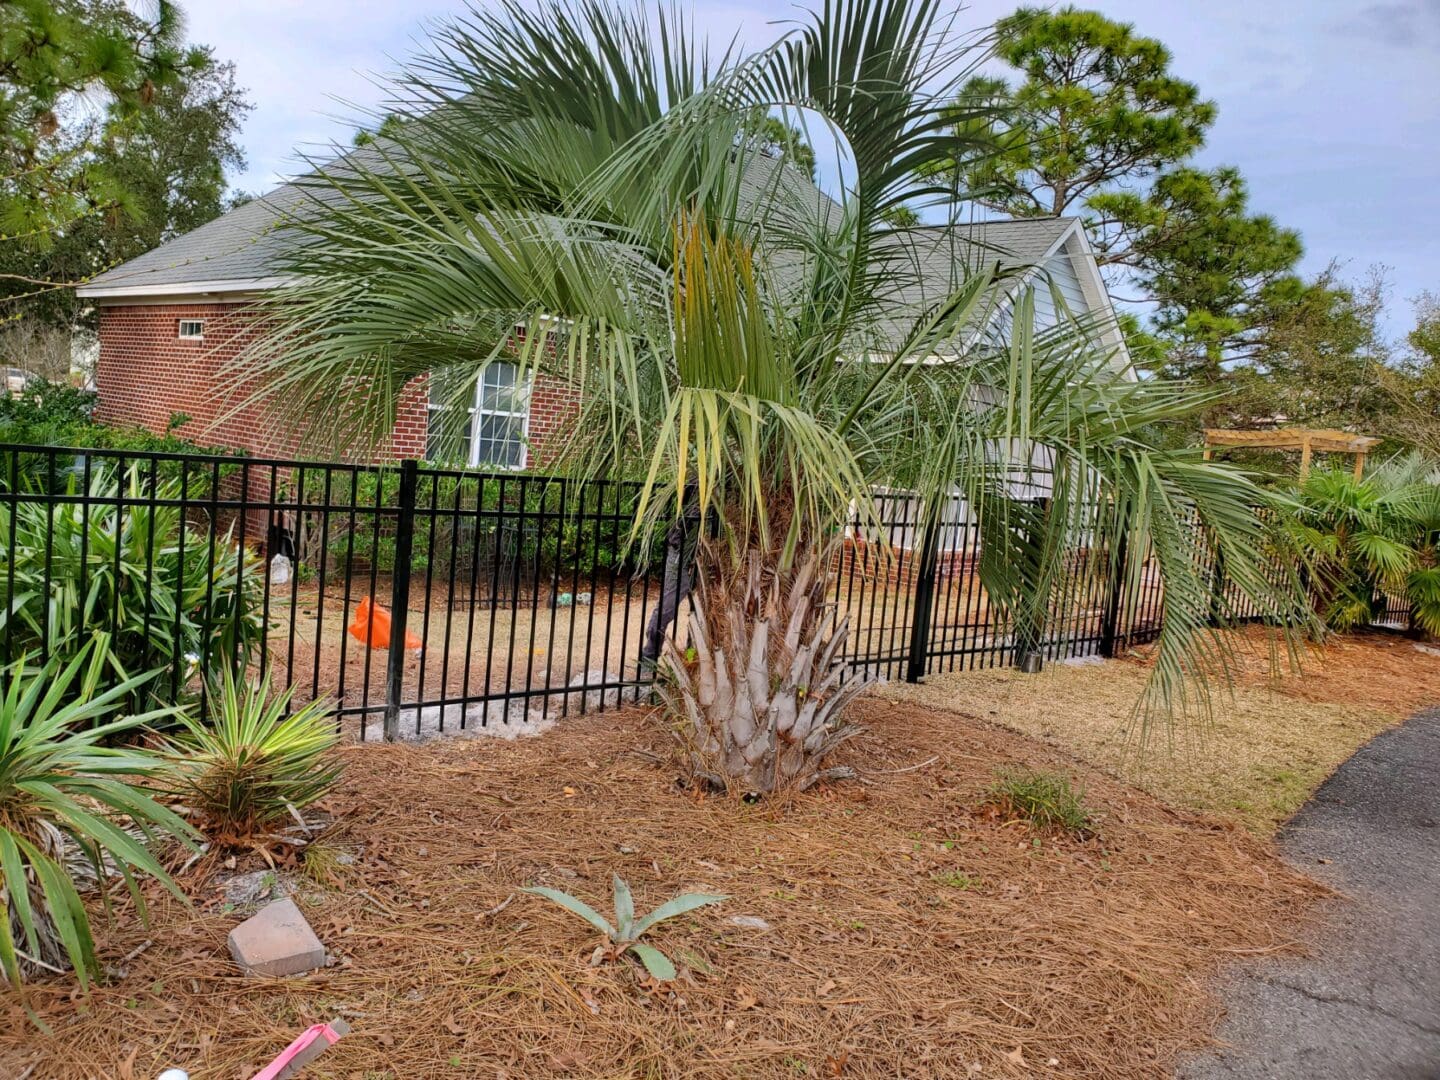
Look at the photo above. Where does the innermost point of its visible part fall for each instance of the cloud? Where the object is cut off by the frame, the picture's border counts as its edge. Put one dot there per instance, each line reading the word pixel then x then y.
pixel 1411 25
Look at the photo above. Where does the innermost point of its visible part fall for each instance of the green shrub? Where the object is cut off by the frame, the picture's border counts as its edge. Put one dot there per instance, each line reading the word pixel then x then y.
pixel 68 808
pixel 249 765
pixel 1365 538
pixel 1045 800
pixel 56 414
pixel 78 569
pixel 517 524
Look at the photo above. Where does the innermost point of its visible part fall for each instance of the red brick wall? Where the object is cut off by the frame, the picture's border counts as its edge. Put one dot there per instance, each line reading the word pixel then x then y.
pixel 146 374
pixel 554 409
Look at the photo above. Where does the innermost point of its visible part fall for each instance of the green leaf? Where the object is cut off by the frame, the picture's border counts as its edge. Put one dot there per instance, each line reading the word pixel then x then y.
pixel 18 890
pixel 67 912
pixel 656 962
pixel 576 906
pixel 672 908
pixel 624 909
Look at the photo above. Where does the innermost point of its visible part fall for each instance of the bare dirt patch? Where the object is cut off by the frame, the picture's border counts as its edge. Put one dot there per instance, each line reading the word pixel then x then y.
pixel 1269 741
pixel 902 931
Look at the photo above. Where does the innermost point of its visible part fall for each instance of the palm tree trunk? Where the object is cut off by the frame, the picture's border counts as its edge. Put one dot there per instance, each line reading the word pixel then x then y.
pixel 761 688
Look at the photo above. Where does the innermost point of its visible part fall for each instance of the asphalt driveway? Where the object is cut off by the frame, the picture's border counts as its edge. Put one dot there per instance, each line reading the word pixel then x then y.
pixel 1367 1004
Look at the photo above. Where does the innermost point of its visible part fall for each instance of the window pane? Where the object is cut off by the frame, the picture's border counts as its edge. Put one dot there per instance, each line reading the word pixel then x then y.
pixel 497 388
pixel 446 442
pixel 499 441
pixel 451 388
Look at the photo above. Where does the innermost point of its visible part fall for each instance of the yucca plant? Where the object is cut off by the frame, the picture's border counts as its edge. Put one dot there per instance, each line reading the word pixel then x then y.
pixel 758 355
pixel 69 809
pixel 251 763
pixel 625 933
pixel 1368 537
pixel 111 558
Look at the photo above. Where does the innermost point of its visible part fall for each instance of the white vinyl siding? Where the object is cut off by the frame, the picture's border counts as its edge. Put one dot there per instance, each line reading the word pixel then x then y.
pixel 1058 276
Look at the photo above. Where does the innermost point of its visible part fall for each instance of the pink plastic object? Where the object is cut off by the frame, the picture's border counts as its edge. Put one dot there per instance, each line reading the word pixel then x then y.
pixel 294 1054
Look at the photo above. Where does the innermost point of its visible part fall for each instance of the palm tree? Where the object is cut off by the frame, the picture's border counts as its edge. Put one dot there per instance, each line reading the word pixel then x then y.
pixel 765 356
pixel 1366 538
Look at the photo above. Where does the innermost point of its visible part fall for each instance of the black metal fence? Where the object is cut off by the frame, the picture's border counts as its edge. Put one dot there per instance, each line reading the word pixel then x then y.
pixel 918 605
pixel 420 600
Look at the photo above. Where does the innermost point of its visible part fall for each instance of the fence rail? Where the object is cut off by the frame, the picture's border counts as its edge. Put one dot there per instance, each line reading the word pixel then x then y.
pixel 420 599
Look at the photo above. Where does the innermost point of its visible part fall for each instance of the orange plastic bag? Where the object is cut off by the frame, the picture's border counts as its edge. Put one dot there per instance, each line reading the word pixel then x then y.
pixel 372 627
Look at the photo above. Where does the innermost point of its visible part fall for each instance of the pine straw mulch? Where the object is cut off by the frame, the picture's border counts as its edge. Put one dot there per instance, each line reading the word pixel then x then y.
pixel 1271 739
pixel 1049 956
pixel 1385 672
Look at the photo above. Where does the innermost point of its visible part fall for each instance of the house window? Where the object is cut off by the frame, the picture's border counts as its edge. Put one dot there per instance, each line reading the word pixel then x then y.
pixel 493 434
pixel 192 330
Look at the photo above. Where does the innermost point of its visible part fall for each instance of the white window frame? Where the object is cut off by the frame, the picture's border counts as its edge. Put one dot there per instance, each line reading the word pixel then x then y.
pixel 521 397
pixel 197 334
pixel 476 411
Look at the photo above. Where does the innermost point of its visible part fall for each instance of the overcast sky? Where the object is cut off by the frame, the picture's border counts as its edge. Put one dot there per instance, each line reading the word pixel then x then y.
pixel 1330 108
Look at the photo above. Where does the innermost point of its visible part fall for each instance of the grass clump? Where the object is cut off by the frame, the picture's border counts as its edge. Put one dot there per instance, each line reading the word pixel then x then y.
pixel 958 879
pixel 1045 800
pixel 324 864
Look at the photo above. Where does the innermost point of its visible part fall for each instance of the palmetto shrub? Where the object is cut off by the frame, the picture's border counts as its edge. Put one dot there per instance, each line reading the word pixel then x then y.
pixel 251 764
pixel 162 592
pixel 1366 538
pixel 69 810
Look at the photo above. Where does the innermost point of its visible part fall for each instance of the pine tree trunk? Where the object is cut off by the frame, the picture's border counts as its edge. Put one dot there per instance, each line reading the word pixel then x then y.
pixel 761 689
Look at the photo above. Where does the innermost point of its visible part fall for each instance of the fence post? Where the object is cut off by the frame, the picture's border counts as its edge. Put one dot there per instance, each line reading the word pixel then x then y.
pixel 400 597
pixel 924 599
pixel 1030 632
pixel 1217 587
pixel 1110 622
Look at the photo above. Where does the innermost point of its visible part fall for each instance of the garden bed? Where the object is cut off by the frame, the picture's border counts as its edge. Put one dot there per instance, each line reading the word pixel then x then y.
pixel 902 930
pixel 1270 741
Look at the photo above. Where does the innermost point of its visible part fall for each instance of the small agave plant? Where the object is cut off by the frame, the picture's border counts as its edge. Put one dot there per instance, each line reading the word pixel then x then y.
pixel 624 936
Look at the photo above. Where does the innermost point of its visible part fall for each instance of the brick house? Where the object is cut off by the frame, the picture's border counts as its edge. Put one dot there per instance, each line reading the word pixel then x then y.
pixel 171 319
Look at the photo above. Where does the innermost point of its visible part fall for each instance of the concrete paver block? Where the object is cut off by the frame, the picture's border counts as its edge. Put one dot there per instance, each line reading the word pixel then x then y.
pixel 276 941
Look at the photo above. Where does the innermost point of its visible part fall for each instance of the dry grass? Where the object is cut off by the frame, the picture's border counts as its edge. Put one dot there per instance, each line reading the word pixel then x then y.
pixel 1266 747
pixel 910 933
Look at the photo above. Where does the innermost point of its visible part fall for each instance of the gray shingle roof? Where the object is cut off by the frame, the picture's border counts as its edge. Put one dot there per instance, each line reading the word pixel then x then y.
pixel 244 246
pixel 238 246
